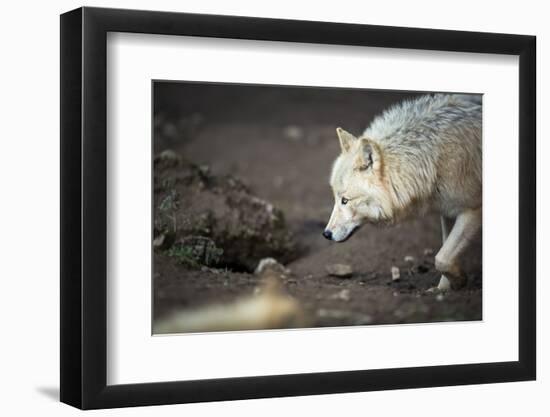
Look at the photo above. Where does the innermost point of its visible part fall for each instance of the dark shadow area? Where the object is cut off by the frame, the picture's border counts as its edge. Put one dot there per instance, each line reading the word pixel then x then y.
pixel 50 392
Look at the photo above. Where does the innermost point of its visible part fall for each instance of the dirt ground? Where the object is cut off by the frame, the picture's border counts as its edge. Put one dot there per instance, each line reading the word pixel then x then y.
pixel 281 143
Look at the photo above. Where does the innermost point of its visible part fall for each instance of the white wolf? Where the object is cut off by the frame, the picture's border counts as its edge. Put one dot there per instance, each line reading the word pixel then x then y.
pixel 420 153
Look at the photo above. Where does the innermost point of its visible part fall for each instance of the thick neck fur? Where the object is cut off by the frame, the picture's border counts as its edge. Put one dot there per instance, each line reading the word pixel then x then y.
pixel 407 135
pixel 409 178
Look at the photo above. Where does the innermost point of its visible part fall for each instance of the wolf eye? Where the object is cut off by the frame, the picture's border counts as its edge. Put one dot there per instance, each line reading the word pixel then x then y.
pixel 344 200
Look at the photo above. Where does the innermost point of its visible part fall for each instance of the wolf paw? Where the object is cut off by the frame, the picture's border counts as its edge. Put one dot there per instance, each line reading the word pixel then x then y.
pixel 448 283
pixel 444 284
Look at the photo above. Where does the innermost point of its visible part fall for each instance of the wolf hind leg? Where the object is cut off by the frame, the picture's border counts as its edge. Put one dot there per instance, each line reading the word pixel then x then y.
pixel 466 227
pixel 446 226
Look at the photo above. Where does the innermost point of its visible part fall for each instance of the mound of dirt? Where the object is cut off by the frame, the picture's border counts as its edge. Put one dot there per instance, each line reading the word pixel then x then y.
pixel 203 219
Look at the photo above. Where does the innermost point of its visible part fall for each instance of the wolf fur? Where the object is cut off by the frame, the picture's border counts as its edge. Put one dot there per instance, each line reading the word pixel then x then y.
pixel 421 153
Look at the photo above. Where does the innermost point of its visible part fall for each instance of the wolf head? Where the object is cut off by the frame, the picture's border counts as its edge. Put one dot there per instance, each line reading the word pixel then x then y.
pixel 359 187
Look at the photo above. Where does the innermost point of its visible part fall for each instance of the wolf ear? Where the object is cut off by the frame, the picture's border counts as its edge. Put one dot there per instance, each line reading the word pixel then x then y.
pixel 346 139
pixel 370 156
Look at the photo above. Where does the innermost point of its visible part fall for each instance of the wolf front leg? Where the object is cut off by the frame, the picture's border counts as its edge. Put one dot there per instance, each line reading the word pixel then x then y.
pixel 466 227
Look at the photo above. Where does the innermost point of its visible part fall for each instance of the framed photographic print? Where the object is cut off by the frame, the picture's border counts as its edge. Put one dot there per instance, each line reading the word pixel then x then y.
pixel 257 208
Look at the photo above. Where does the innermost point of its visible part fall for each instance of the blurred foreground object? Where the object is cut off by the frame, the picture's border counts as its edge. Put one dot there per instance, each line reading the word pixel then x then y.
pixel 269 308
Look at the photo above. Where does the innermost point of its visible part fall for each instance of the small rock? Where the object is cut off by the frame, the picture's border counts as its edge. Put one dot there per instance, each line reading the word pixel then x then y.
pixel 204 170
pixel 293 132
pixel 395 294
pixel 159 241
pixel 428 252
pixel 439 297
pixel 395 275
pixel 342 295
pixel 409 259
pixel 272 265
pixel 169 155
pixel 339 270
pixel 163 241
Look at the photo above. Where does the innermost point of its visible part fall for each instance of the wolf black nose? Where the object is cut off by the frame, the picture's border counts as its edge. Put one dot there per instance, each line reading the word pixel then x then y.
pixel 327 234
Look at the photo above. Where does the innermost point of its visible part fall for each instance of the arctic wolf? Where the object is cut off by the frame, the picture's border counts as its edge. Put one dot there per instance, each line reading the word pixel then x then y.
pixel 422 153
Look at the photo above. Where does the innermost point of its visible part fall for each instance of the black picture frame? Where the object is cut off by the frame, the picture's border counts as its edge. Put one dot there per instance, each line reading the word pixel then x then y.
pixel 84 207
